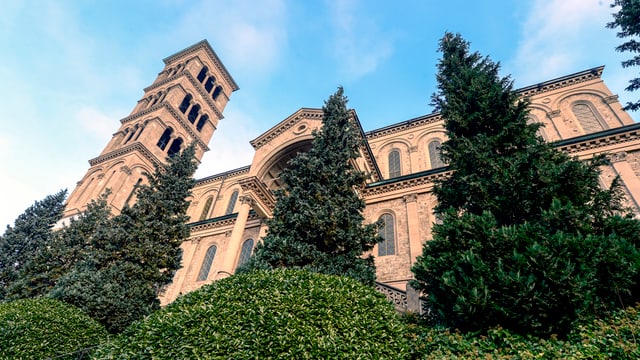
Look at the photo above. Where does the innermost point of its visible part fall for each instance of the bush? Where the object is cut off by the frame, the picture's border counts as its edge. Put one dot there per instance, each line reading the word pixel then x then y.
pixel 46 328
pixel 613 338
pixel 284 313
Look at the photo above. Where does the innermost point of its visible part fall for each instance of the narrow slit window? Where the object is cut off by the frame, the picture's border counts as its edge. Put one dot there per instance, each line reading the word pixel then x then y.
pixel 216 92
pixel 203 120
pixel 205 210
pixel 203 73
pixel 185 103
pixel 193 114
pixel 209 84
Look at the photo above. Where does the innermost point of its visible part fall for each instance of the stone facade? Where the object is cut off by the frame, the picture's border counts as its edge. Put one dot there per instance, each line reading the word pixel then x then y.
pixel 580 115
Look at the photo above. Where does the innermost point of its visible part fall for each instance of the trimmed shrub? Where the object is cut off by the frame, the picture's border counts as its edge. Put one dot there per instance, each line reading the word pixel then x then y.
pixel 46 328
pixel 284 313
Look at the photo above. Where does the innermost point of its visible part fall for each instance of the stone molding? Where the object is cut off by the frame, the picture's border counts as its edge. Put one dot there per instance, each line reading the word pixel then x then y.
pixel 225 175
pixel 136 146
pixel 284 125
pixel 419 181
pixel 221 223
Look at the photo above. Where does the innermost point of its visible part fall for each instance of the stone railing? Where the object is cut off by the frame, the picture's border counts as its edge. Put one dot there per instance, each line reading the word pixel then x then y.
pixel 404 301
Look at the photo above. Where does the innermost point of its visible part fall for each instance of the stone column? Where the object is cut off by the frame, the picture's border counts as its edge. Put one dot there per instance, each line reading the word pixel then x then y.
pixel 413 223
pixel 233 246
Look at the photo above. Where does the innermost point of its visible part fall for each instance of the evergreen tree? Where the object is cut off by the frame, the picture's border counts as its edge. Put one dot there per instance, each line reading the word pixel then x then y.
pixel 65 248
pixel 134 255
pixel 28 237
pixel 528 239
pixel 628 20
pixel 317 222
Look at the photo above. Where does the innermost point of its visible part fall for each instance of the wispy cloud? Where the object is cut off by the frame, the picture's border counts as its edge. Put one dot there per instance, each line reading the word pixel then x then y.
pixel 551 29
pixel 359 45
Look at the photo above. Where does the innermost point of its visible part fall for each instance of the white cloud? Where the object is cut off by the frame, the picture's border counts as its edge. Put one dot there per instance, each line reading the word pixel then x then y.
pixel 559 36
pixel 229 146
pixel 96 123
pixel 359 46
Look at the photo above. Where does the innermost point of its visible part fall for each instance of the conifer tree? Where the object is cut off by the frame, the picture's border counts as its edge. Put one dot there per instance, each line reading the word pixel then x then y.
pixel 627 19
pixel 528 240
pixel 28 238
pixel 317 222
pixel 135 254
pixel 65 248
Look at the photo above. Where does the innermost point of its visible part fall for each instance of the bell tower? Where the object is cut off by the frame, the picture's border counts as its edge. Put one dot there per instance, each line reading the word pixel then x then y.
pixel 183 105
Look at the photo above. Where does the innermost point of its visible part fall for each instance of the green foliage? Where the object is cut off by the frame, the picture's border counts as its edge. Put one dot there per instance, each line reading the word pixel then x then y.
pixel 284 313
pixel 615 338
pixel 45 328
pixel 128 259
pixel 628 20
pixel 65 248
pixel 317 222
pixel 28 238
pixel 528 240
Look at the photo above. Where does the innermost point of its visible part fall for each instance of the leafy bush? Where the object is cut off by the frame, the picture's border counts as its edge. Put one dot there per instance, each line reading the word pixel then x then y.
pixel 285 313
pixel 46 328
pixel 613 338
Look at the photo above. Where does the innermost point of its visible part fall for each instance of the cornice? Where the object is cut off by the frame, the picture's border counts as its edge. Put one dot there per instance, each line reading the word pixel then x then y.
pixel 225 175
pixel 204 44
pixel 546 86
pixel 600 139
pixel 176 116
pixel 136 146
pixel 259 190
pixel 284 125
pixel 404 182
pixel 219 222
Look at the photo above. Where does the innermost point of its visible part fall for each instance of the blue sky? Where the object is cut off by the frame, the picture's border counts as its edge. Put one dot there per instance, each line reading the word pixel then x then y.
pixel 70 70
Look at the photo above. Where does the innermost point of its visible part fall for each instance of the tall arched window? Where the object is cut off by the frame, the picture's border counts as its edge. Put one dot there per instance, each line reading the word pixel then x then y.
pixel 216 92
pixel 232 202
pixel 209 84
pixel 164 139
pixel 175 147
pixel 202 121
pixel 394 164
pixel 193 114
pixel 135 128
pixel 206 263
pixel 139 132
pixel 587 118
pixel 245 253
pixel 386 230
pixel 434 154
pixel 206 208
pixel 185 103
pixel 202 74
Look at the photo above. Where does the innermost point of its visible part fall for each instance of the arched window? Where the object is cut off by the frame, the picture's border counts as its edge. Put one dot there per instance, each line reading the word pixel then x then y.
pixel 139 132
pixel 206 208
pixel 209 84
pixel 394 164
pixel 175 147
pixel 232 202
pixel 206 263
pixel 202 121
pixel 386 230
pixel 185 103
pixel 164 139
pixel 216 92
pixel 202 74
pixel 434 154
pixel 135 128
pixel 193 114
pixel 587 118
pixel 245 253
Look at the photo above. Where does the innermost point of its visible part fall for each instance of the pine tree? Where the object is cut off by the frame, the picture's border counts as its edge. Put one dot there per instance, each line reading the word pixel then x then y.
pixel 28 237
pixel 628 20
pixel 528 239
pixel 130 258
pixel 317 222
pixel 64 249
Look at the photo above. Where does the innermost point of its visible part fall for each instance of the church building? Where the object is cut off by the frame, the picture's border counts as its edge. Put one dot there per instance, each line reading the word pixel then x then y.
pixel 228 211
